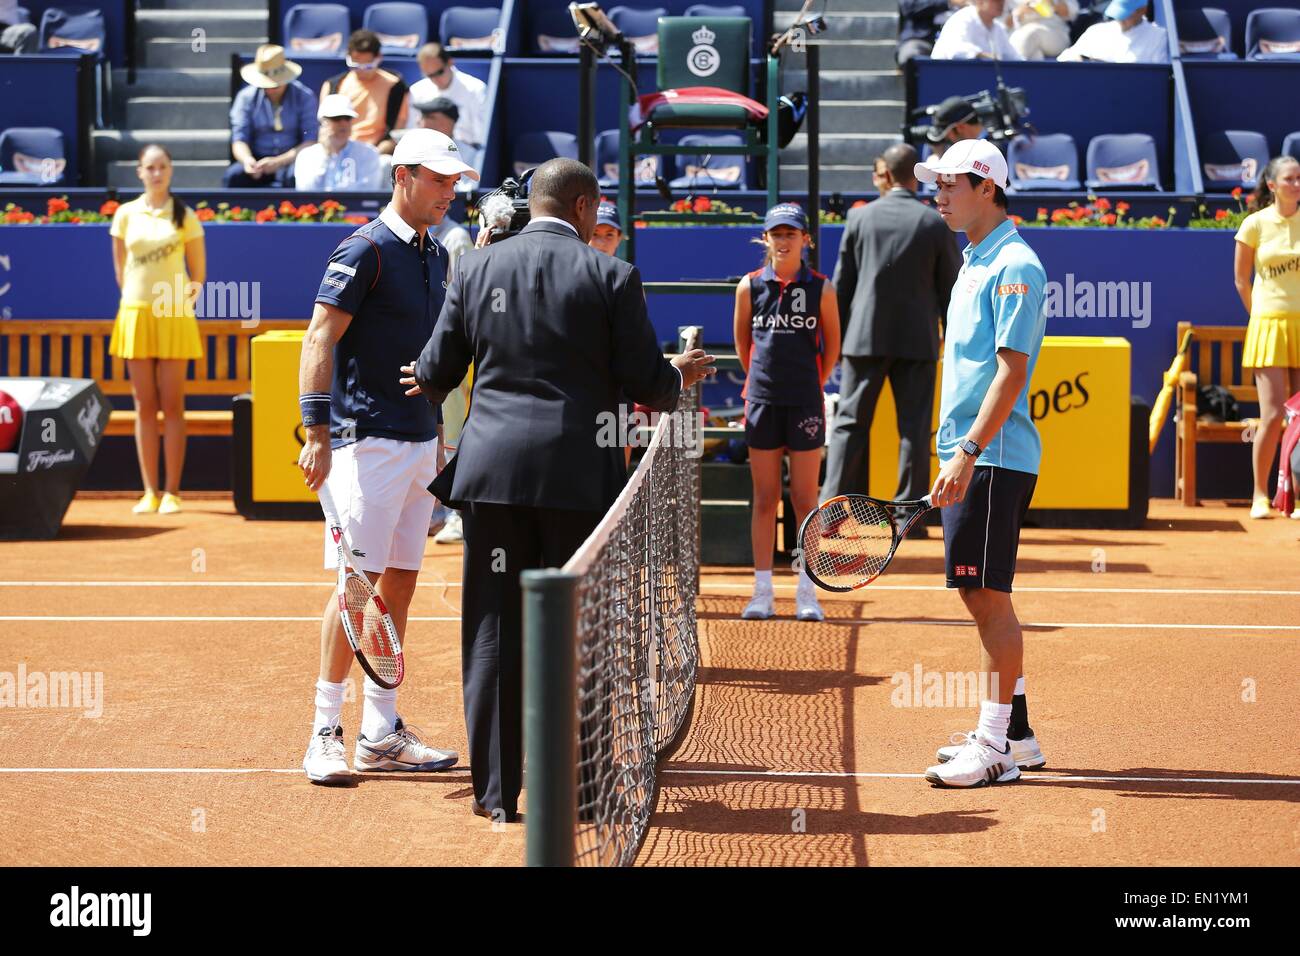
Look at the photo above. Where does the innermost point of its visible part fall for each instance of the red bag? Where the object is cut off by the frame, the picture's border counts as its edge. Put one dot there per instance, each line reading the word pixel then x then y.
pixel 1285 499
pixel 693 96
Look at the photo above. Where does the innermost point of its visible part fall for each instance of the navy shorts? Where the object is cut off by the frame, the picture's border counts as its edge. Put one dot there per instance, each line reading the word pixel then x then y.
pixel 796 427
pixel 981 534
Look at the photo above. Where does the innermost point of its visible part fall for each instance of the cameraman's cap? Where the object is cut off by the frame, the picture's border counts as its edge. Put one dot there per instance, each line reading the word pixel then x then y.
pixel 433 150
pixel 607 215
pixel 439 104
pixel 336 106
pixel 1123 9
pixel 977 156
pixel 953 110
pixel 786 214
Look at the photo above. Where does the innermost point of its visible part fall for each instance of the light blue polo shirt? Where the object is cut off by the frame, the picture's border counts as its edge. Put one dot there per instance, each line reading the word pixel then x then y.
pixel 996 303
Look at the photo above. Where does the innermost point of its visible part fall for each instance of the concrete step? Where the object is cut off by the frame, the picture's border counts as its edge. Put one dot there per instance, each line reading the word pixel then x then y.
pixel 213 81
pixel 186 174
pixel 832 179
pixel 180 24
pixel 852 55
pixel 849 26
pixel 213 144
pixel 886 84
pixel 210 4
pixel 841 149
pixel 170 112
pixel 861 116
pixel 178 54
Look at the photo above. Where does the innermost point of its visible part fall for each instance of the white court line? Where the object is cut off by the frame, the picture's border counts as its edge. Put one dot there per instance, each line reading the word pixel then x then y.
pixel 178 619
pixel 198 770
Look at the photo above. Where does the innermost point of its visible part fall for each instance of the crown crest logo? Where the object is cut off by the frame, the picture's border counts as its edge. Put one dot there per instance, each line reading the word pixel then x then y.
pixel 704 36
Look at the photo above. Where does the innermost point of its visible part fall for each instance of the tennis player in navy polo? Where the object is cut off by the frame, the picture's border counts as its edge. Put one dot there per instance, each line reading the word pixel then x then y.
pixel 989 449
pixel 377 447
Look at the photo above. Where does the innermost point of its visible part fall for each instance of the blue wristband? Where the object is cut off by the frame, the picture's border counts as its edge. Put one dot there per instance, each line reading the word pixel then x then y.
pixel 315 408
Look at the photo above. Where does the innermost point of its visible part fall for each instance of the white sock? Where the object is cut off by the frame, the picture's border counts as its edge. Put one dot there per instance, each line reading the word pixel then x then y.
pixel 994 718
pixel 1020 687
pixel 805 587
pixel 379 711
pixel 329 704
pixel 763 580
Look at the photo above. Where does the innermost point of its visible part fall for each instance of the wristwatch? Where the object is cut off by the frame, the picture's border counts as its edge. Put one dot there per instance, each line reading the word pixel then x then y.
pixel 970 448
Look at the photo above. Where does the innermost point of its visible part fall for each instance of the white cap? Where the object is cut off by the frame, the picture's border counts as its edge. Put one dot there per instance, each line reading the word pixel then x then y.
pixel 335 106
pixel 434 150
pixel 977 156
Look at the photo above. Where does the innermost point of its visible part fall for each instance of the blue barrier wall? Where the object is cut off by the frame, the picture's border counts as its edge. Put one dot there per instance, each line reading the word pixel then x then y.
pixel 1243 95
pixel 115 14
pixel 1189 275
pixel 1082 99
pixel 56 77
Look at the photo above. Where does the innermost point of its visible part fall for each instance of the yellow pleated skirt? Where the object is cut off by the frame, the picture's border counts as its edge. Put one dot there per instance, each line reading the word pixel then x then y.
pixel 138 333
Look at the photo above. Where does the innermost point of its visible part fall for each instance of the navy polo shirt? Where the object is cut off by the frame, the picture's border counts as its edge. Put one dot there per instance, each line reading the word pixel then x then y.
pixel 785 353
pixel 393 287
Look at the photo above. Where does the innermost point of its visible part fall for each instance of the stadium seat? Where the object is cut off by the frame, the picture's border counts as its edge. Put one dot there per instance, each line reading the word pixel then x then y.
pixel 703 170
pixel 316 30
pixel 402 27
pixel 1204 33
pixel 709 10
pixel 1291 145
pixel 639 26
pixel 553 32
pixel 1233 158
pixel 1123 161
pixel 1273 34
pixel 471 28
pixel 647 167
pixel 75 31
pixel 32 155
pixel 533 149
pixel 24 15
pixel 1041 163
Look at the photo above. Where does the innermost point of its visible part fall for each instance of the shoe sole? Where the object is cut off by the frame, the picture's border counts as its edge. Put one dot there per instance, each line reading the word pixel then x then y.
pixel 938 781
pixel 1030 765
pixel 330 779
pixel 390 766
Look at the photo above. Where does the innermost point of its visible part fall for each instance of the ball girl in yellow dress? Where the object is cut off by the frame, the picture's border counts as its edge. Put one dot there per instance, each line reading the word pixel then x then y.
pixel 160 261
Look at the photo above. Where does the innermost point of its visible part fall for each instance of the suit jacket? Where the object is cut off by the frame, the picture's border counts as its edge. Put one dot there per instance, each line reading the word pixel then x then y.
pixel 898 262
pixel 555 329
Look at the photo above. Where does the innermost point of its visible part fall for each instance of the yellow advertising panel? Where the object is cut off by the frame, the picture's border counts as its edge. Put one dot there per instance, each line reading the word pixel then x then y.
pixel 1079 400
pixel 277 422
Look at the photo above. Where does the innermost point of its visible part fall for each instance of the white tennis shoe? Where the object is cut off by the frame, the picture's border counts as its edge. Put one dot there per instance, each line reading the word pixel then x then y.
pixel 760 606
pixel 326 761
pixel 452 531
pixel 1027 754
pixel 977 764
pixel 807 608
pixel 401 750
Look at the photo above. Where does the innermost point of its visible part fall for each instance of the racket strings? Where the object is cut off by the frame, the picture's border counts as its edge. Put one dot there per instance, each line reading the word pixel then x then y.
pixel 370 629
pixel 848 543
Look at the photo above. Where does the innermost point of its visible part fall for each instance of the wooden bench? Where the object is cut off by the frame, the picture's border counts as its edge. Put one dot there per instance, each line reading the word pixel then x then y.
pixel 1216 356
pixel 78 348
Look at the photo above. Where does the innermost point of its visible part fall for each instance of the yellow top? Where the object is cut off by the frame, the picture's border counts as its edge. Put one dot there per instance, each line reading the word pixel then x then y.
pixel 1276 241
pixel 155 252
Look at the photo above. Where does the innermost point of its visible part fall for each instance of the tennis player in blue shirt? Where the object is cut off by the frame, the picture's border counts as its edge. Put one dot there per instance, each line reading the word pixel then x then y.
pixel 989 449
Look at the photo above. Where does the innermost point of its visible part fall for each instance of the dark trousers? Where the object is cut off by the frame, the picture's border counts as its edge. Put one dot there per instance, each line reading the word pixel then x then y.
pixel 848 457
pixel 500 542
pixel 235 178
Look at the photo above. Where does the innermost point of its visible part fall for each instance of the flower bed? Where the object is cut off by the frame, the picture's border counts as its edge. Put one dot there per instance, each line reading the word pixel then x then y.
pixel 57 210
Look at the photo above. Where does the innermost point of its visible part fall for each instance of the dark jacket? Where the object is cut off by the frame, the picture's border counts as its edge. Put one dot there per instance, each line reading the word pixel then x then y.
pixel 555 329
pixel 898 262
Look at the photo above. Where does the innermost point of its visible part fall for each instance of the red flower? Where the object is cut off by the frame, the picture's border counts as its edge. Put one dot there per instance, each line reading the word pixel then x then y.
pixel 205 214
pixel 356 220
pixel 1220 215
pixel 75 219
pixel 109 207
pixel 639 224
pixel 237 211
pixel 287 208
pixel 1060 215
pixel 1081 213
pixel 1157 221
pixel 1236 192
pixel 1102 204
pixel 56 205
pixel 330 204
pixel 1016 220
pixel 860 202
pixel 1121 207
pixel 266 215
pixel 703 204
pixel 307 211
pixel 15 215
pixel 1042 212
pixel 1109 219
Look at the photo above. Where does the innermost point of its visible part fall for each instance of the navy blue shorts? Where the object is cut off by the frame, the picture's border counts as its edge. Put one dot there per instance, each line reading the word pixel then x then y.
pixel 796 427
pixel 981 534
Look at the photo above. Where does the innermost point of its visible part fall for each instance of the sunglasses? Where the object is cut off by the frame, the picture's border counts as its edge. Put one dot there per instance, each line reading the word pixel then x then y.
pixel 363 67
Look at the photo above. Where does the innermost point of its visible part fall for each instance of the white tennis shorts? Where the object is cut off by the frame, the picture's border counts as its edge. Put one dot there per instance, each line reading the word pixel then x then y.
pixel 380 487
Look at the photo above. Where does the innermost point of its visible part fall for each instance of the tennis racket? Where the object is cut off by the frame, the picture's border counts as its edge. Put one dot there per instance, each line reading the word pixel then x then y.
pixel 849 541
pixel 366 621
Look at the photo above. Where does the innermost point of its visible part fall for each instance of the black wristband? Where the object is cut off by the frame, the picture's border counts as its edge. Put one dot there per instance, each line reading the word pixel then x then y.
pixel 315 408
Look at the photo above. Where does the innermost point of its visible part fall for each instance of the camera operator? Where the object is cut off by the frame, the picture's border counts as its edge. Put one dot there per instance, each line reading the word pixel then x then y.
pixel 954 120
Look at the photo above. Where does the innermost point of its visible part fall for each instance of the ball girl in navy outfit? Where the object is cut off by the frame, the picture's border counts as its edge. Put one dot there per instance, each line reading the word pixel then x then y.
pixel 787 327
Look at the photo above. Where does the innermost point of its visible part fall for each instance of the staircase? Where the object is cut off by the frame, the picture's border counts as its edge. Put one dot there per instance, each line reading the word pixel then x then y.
pixel 181 96
pixel 862 95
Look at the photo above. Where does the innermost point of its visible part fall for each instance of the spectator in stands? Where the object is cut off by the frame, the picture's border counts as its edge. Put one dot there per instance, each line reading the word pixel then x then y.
pixel 441 114
pixel 469 93
pixel 1040 29
pixel 1268 244
pixel 379 97
pixel 157 240
pixel 338 162
pixel 271 120
pixel 15 36
pixel 953 121
pixel 919 22
pixel 975 32
pixel 1126 36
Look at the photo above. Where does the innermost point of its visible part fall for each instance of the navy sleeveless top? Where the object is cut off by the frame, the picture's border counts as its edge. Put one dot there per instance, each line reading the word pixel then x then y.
pixel 785 358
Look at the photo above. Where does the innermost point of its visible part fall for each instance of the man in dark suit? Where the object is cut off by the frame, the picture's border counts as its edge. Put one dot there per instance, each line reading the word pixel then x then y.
pixel 555 329
pixel 897 265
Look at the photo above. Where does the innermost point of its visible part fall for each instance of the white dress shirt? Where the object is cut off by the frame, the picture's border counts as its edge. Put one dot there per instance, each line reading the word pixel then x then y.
pixel 355 167
pixel 965 37
pixel 469 93
pixel 1111 43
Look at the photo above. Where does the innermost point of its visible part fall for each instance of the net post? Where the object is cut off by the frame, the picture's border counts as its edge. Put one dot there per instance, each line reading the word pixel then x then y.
pixel 550 715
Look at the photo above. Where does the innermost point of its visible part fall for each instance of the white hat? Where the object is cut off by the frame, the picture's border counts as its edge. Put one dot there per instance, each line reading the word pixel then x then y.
pixel 335 106
pixel 977 156
pixel 434 150
pixel 269 68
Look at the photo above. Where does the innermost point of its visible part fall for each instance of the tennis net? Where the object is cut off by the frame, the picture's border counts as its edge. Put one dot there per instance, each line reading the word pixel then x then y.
pixel 628 613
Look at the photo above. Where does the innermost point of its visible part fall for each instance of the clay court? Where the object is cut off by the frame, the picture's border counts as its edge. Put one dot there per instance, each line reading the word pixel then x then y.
pixel 1163 672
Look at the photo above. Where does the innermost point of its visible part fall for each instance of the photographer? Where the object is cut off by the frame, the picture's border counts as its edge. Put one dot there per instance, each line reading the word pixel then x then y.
pixel 954 120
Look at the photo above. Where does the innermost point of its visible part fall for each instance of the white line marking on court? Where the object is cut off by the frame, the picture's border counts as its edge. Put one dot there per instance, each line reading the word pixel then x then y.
pixel 177 619
pixel 195 770
pixel 1033 778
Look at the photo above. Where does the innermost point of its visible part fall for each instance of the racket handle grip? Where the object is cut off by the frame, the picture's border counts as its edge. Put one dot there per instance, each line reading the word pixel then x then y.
pixel 925 500
pixel 327 505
